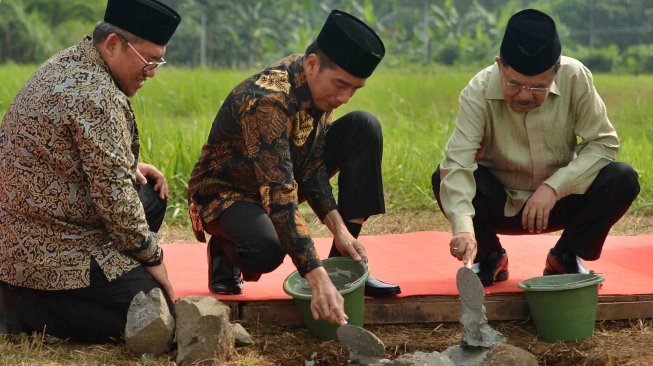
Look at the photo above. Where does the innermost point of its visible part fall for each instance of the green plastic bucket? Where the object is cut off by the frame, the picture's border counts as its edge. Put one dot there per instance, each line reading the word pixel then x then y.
pixel 563 307
pixel 348 276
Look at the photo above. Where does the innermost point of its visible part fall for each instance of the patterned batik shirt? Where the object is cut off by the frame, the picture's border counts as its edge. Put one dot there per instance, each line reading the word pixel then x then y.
pixel 266 145
pixel 68 154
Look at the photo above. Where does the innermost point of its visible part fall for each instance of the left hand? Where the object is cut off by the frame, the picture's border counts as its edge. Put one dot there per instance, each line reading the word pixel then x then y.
pixel 148 171
pixel 535 217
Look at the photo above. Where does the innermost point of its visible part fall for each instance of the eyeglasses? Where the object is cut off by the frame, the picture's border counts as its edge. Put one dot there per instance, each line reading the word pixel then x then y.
pixel 149 65
pixel 517 88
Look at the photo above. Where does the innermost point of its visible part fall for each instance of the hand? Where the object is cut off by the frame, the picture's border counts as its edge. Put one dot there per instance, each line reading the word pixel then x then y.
pixel 535 217
pixel 160 275
pixel 145 171
pixel 464 247
pixel 326 302
pixel 349 246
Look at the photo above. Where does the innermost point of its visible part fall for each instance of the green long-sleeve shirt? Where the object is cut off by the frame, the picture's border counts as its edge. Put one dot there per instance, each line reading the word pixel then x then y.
pixel 563 143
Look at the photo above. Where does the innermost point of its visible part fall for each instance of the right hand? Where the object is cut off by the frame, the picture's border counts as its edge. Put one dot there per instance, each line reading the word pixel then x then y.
pixel 326 302
pixel 464 247
pixel 349 246
pixel 160 275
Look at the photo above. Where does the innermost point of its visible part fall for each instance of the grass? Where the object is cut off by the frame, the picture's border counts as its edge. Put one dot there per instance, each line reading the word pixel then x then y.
pixel 418 110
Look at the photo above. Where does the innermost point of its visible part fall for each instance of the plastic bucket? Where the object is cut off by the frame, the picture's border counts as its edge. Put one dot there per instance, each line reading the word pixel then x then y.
pixel 563 307
pixel 348 276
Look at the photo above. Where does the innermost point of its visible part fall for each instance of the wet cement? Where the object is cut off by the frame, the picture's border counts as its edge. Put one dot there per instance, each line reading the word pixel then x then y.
pixel 365 348
pixel 477 336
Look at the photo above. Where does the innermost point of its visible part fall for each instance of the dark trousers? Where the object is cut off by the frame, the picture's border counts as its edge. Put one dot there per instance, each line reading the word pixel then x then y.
pixel 93 314
pixel 585 219
pixel 354 147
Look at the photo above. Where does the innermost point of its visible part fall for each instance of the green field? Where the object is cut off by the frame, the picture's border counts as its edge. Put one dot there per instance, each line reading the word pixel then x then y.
pixel 417 110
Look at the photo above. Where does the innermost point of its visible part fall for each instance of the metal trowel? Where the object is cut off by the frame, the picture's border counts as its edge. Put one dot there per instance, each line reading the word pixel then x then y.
pixel 362 343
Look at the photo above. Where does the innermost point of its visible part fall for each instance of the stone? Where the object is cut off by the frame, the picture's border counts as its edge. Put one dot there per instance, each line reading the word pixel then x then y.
pixel 243 339
pixel 150 327
pixel 423 359
pixel 467 356
pixel 508 355
pixel 204 334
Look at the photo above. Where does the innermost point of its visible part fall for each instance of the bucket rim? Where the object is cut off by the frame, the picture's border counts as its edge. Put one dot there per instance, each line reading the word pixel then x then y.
pixel 354 285
pixel 589 280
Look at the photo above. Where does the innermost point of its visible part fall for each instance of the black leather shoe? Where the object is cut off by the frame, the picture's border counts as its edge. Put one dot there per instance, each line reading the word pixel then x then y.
pixel 563 263
pixel 378 288
pixel 224 278
pixel 492 269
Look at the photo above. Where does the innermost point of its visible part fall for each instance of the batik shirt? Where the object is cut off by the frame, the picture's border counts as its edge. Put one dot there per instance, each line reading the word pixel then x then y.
pixel 68 154
pixel 563 143
pixel 266 145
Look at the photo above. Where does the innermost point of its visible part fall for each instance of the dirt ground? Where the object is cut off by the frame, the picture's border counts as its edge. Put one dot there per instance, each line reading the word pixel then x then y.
pixel 613 343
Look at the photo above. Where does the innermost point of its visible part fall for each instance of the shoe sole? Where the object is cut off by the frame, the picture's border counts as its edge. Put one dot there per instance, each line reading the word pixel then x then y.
pixel 225 292
pixel 383 293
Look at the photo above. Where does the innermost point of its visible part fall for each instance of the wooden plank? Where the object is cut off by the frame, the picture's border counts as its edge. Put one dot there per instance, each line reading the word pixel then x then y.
pixel 624 310
pixel 437 309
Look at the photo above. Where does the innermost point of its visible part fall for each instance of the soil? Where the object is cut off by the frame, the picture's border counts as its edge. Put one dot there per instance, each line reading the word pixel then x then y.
pixel 613 343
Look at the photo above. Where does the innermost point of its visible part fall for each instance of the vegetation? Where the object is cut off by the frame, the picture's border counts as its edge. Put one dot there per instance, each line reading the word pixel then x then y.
pixel 417 109
pixel 613 35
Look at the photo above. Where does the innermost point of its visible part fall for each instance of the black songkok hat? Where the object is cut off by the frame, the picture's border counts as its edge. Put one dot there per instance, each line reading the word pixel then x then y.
pixel 147 19
pixel 530 44
pixel 351 44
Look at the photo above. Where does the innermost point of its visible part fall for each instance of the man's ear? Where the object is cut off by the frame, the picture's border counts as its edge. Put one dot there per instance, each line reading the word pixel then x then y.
pixel 312 63
pixel 111 44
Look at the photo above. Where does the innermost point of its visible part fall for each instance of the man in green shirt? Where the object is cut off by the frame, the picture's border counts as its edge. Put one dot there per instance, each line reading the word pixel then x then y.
pixel 533 151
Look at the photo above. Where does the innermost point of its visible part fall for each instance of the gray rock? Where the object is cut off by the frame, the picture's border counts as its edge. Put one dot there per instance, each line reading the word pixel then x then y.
pixel 204 334
pixel 150 327
pixel 243 339
pixel 467 356
pixel 423 359
pixel 507 355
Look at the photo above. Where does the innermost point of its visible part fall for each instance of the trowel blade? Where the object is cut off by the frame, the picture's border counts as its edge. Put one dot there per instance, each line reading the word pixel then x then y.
pixel 361 341
pixel 470 288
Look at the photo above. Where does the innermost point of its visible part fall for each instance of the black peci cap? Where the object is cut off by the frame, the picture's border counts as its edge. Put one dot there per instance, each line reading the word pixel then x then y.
pixel 147 19
pixel 530 44
pixel 351 44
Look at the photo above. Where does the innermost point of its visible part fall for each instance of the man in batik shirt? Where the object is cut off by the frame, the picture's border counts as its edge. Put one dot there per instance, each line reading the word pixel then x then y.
pixel 273 145
pixel 76 243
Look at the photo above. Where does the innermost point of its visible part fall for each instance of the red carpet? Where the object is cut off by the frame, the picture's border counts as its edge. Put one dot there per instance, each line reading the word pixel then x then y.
pixel 421 264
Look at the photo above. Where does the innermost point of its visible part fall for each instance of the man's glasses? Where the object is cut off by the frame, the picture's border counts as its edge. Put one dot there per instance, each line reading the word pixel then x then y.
pixel 517 88
pixel 149 65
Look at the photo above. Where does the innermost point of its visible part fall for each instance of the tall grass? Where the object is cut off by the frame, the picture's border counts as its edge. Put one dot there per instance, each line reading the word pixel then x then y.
pixel 417 109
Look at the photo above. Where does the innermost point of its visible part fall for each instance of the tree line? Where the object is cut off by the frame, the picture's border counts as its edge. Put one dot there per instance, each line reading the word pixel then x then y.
pixel 608 35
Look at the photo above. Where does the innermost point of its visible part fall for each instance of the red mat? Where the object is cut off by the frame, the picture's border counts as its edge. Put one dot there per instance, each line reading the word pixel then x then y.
pixel 421 264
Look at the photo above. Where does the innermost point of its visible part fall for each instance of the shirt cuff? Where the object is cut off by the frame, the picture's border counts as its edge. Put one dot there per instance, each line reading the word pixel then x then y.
pixel 462 224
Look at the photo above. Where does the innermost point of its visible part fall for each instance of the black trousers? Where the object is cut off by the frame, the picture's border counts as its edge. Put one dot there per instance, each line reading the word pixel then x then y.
pixel 354 147
pixel 585 219
pixel 93 314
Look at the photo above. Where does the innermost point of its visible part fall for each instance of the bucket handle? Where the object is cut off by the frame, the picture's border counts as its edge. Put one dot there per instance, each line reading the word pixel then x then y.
pixel 580 282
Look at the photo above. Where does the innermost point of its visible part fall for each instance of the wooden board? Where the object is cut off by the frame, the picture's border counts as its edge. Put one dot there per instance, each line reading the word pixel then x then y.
pixel 437 309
